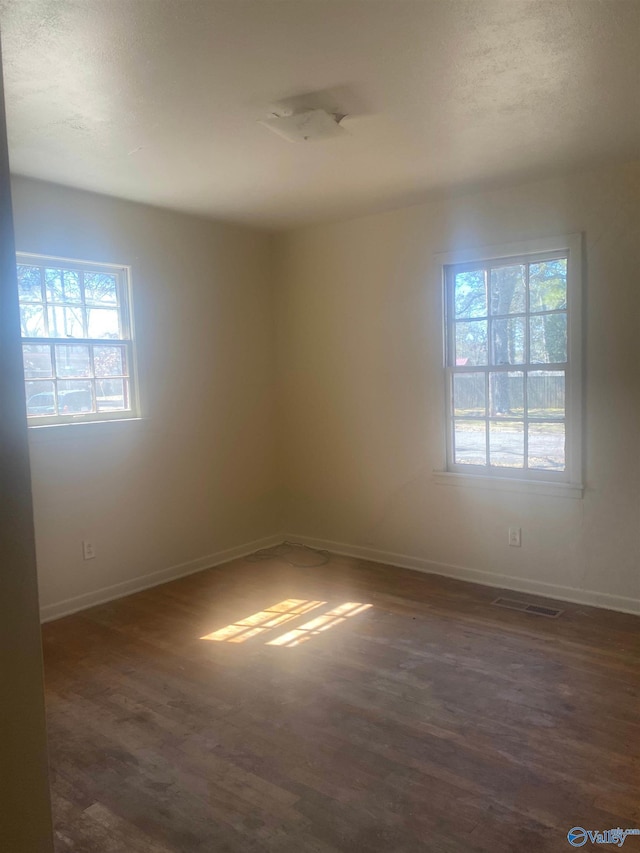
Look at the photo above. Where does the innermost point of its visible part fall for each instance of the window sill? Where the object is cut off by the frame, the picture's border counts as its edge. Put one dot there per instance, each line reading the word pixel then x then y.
pixel 50 433
pixel 507 484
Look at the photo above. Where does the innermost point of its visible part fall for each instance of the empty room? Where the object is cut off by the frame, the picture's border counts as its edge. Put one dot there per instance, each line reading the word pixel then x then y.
pixel 320 426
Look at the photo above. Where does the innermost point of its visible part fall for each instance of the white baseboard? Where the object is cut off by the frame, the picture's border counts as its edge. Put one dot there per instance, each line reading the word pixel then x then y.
pixel 533 587
pixel 592 598
pixel 108 593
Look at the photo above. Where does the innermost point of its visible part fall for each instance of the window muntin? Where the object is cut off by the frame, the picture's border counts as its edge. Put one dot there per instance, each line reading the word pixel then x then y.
pixel 77 340
pixel 509 375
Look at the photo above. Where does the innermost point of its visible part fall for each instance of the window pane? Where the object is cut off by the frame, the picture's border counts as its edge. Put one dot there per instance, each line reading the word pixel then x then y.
pixel 506 444
pixel 29 285
pixel 63 285
pixel 65 322
pixel 74 397
pixel 112 395
pixel 547 446
pixel 37 360
pixel 548 339
pixel 470 446
pixel 469 395
pixel 548 285
pixel 508 290
pixel 72 361
pixel 508 341
pixel 470 294
pixel 40 399
pixel 545 394
pixel 103 323
pixel 53 280
pixel 100 287
pixel 507 394
pixel 109 361
pixel 471 342
pixel 32 321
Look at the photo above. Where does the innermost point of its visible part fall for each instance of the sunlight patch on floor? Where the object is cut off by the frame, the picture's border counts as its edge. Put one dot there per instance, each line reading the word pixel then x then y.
pixel 281 613
pixel 333 617
pixel 265 620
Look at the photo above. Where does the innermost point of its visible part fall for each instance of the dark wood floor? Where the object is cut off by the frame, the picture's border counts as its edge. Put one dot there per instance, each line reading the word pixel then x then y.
pixel 427 721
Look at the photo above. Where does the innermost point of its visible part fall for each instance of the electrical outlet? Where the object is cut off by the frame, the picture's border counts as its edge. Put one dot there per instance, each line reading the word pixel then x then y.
pixel 88 550
pixel 515 534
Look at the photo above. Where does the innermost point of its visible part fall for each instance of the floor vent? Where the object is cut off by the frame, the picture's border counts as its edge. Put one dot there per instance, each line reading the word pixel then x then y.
pixel 538 610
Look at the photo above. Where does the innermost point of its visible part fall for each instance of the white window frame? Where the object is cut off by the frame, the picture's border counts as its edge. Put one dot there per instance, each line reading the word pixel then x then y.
pixel 569 481
pixel 122 274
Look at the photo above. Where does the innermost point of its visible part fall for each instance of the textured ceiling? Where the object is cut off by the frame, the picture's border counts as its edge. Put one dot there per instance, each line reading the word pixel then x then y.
pixel 158 100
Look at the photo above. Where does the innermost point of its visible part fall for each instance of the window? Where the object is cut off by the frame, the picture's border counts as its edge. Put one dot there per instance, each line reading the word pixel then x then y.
pixel 77 342
pixel 512 318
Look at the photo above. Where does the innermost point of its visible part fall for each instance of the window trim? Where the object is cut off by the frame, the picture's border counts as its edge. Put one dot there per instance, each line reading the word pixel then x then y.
pixel 569 481
pixel 124 285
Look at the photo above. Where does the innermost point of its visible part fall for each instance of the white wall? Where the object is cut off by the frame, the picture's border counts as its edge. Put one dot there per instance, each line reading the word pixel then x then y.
pixel 198 474
pixel 357 430
pixel 362 407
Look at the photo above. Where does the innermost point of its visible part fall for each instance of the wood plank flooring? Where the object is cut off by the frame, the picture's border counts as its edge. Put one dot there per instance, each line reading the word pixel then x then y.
pixel 429 721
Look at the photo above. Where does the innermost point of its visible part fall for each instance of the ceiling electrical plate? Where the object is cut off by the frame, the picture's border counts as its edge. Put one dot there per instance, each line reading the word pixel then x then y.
pixel 307 126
